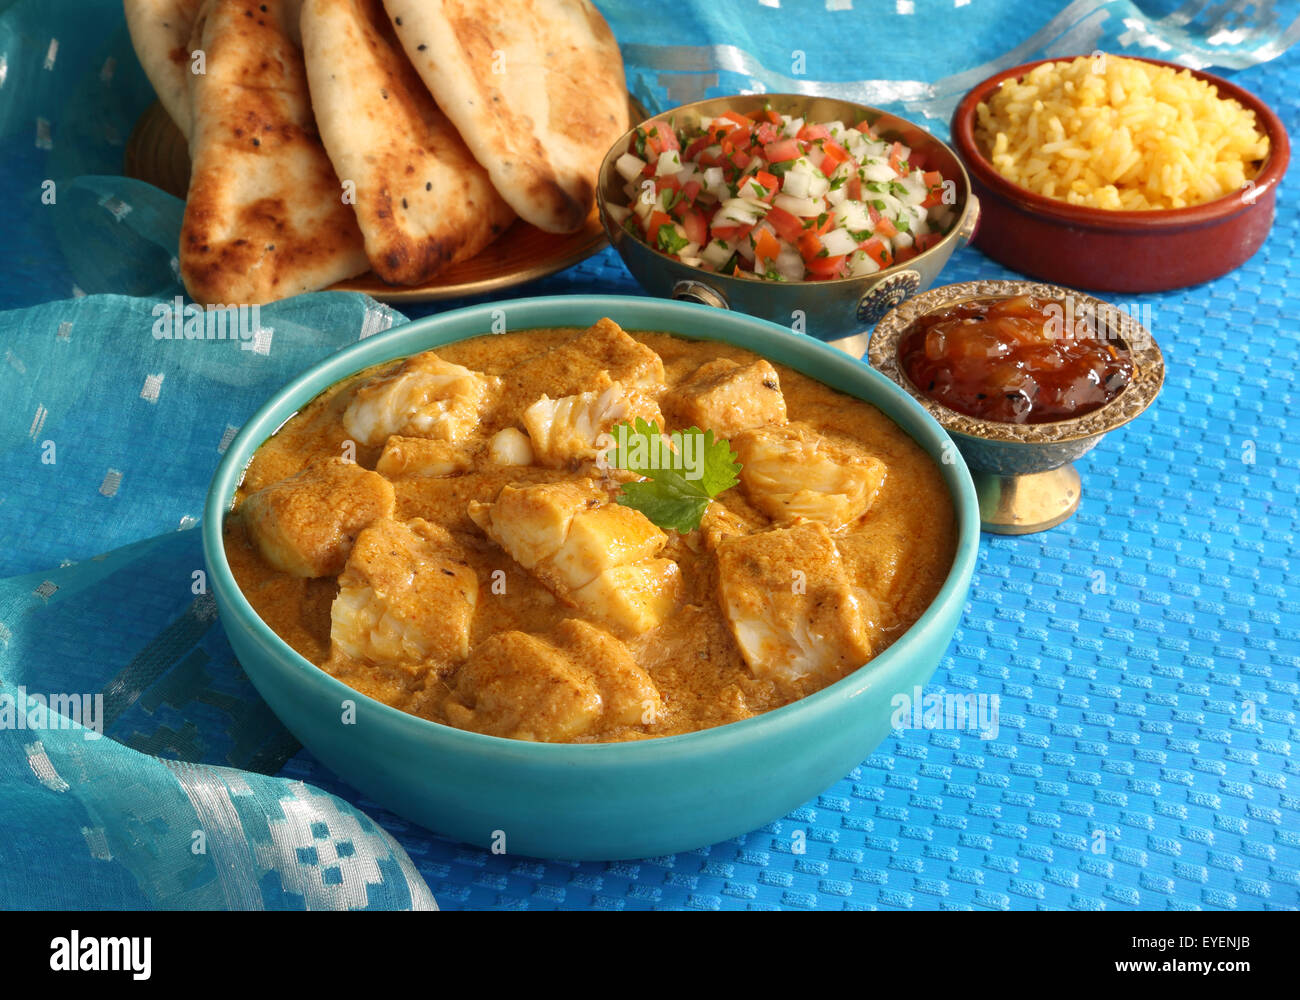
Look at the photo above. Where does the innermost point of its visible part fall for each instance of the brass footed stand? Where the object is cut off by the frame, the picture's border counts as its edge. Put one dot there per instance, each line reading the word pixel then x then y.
pixel 1021 505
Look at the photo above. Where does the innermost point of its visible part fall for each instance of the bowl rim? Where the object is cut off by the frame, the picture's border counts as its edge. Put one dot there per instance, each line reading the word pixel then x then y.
pixel 796 351
pixel 1140 392
pixel 615 232
pixel 1127 220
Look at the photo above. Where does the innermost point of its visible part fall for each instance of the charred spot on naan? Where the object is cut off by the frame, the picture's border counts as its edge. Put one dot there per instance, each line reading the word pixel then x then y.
pixel 402 260
pixel 244 270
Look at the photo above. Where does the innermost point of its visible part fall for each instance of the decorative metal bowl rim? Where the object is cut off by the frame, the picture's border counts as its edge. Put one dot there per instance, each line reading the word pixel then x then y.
pixel 1141 391
pixel 956 233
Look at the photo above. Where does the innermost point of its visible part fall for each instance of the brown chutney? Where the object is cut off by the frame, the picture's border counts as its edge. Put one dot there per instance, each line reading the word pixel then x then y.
pixel 783 590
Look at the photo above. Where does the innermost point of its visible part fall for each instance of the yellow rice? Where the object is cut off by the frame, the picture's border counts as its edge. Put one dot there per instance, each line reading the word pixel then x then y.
pixel 1118 133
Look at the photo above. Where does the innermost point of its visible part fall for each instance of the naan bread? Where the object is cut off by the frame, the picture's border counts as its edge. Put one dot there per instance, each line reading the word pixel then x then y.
pixel 535 88
pixel 265 217
pixel 160 33
pixel 422 200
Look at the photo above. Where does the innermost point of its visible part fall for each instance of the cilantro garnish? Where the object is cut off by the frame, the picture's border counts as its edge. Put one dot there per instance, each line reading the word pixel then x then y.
pixel 673 498
pixel 671 241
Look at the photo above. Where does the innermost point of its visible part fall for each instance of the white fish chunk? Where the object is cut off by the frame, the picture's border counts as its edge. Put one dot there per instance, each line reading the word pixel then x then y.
pixel 625 358
pixel 601 538
pixel 424 396
pixel 407 595
pixel 531 522
pixel 791 605
pixel 413 456
pixel 727 397
pixel 552 688
pixel 597 555
pixel 305 525
pixel 634 598
pixel 592 359
pixel 793 472
pixel 570 429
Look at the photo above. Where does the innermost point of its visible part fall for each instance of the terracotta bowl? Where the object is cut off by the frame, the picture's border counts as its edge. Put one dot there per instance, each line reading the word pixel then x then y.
pixel 1119 251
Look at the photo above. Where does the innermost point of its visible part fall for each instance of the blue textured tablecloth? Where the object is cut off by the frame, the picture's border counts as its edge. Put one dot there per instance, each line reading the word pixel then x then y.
pixel 1145 653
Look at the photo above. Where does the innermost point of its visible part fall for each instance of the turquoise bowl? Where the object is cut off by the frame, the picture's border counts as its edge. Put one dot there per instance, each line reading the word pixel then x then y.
pixel 593 801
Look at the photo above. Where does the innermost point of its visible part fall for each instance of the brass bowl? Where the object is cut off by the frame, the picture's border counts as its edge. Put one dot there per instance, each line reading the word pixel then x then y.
pixel 1023 473
pixel 837 311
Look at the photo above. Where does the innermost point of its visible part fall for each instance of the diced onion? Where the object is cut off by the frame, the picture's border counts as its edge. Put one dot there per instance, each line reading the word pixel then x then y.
pixel 796 183
pixel 838 241
pixel 629 166
pixel 789 264
pixel 861 263
pixel 735 212
pixel 670 162
pixel 716 254
pixel 805 208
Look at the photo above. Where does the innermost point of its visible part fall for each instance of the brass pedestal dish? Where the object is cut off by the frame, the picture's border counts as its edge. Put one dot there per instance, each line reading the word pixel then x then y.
pixel 1023 472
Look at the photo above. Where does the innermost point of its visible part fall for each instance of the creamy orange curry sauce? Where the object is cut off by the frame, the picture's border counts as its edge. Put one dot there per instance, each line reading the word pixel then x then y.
pixel 442 534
